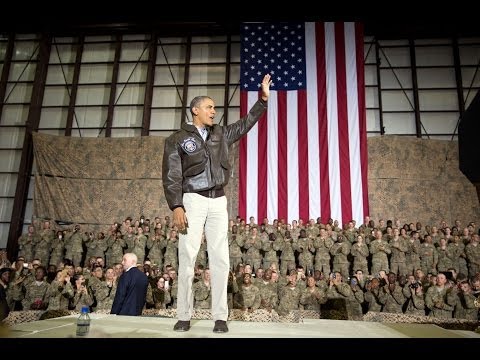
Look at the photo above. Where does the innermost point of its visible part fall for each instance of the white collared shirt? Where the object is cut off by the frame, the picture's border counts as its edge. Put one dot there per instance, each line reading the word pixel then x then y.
pixel 203 132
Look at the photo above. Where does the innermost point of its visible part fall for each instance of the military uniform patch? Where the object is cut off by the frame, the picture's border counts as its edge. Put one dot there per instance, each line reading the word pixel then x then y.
pixel 189 145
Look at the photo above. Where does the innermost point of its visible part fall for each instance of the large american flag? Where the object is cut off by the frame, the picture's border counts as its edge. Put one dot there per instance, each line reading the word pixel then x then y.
pixel 307 157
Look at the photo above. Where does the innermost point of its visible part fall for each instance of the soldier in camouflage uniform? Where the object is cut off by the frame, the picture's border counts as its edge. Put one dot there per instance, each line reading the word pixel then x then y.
pixel 202 292
pixel 74 246
pixel 441 298
pixel 305 249
pixel 322 245
pixel 270 247
pixel 379 250
pixel 312 296
pixel 248 296
pixel 173 286
pixel 43 247
pixel 253 245
pixel 36 292
pixel 340 251
pixel 139 244
pixel 472 251
pixel 413 292
pixel 26 243
pixel 235 244
pixel 412 257
pixel 95 279
pixel 444 256
pixel 105 292
pixel 399 247
pixel 156 244
pixel 374 296
pixel 289 296
pixel 82 296
pixel 171 250
pixel 116 245
pixel 350 233
pixel 60 292
pixel 465 306
pixel 428 256
pixel 232 288
pixel 360 252
pixel 295 230
pixel 97 245
pixel 129 237
pixel 435 235
pixel 312 229
pixel 268 291
pixel 108 239
pixel 394 298
pixel 337 289
pixel 457 251
pixel 388 234
pixel 202 258
pixel 355 301
pixel 321 280
pixel 58 249
pixel 287 256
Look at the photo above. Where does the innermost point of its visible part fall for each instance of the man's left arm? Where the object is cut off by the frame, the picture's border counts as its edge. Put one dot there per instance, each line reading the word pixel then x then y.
pixel 235 131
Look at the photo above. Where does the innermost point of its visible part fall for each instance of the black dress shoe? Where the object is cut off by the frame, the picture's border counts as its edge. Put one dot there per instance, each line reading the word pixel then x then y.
pixel 182 326
pixel 220 327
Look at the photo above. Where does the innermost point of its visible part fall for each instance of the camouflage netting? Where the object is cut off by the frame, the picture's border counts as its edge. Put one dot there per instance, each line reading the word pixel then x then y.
pixel 97 181
pixel 452 324
pixel 17 317
pixel 418 179
pixel 296 316
pixel 239 315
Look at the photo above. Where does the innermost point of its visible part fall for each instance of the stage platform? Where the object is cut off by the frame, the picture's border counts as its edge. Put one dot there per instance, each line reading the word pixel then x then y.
pixel 113 326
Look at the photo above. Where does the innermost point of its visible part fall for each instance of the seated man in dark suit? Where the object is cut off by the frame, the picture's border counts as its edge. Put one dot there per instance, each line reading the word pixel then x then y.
pixel 131 289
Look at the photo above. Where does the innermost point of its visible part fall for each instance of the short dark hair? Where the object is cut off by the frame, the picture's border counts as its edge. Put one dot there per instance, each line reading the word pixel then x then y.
pixel 196 102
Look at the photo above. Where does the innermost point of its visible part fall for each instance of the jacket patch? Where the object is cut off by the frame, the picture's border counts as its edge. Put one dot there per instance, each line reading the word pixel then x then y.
pixel 189 145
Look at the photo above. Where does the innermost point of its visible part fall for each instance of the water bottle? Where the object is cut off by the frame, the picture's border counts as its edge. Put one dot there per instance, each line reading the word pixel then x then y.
pixel 83 322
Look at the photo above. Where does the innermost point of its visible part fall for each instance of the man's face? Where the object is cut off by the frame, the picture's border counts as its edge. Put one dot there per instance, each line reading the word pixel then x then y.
pixel 205 112
pixel 6 277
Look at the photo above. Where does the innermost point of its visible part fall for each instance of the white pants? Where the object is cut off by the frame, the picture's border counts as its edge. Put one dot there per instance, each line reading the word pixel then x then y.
pixel 211 215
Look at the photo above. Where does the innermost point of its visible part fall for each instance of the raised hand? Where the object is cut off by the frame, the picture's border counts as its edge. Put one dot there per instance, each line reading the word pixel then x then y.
pixel 266 82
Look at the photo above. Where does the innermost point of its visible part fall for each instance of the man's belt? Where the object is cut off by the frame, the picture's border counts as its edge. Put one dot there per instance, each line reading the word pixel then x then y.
pixel 212 193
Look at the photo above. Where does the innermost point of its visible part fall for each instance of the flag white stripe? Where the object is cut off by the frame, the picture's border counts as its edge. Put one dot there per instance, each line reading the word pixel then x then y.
pixel 353 125
pixel 292 156
pixel 332 123
pixel 312 116
pixel 272 160
pixel 252 163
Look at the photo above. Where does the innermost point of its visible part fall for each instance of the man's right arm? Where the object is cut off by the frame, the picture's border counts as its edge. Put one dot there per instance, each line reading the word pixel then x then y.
pixel 172 174
pixel 172 182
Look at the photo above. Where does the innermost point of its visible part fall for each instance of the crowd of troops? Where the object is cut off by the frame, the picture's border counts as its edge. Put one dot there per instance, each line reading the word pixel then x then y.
pixel 388 267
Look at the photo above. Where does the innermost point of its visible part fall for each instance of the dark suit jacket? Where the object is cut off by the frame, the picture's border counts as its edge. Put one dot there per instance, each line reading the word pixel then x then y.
pixel 131 293
pixel 4 309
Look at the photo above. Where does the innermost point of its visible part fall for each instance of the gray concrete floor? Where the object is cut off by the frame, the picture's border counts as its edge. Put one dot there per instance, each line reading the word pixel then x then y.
pixel 112 326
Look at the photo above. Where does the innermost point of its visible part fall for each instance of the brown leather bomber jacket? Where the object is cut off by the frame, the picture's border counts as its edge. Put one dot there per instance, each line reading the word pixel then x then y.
pixel 192 165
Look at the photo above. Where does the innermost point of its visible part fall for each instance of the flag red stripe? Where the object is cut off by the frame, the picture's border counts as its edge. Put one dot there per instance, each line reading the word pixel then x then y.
pixel 362 114
pixel 303 193
pixel 282 156
pixel 322 126
pixel 242 166
pixel 262 167
pixel 343 144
